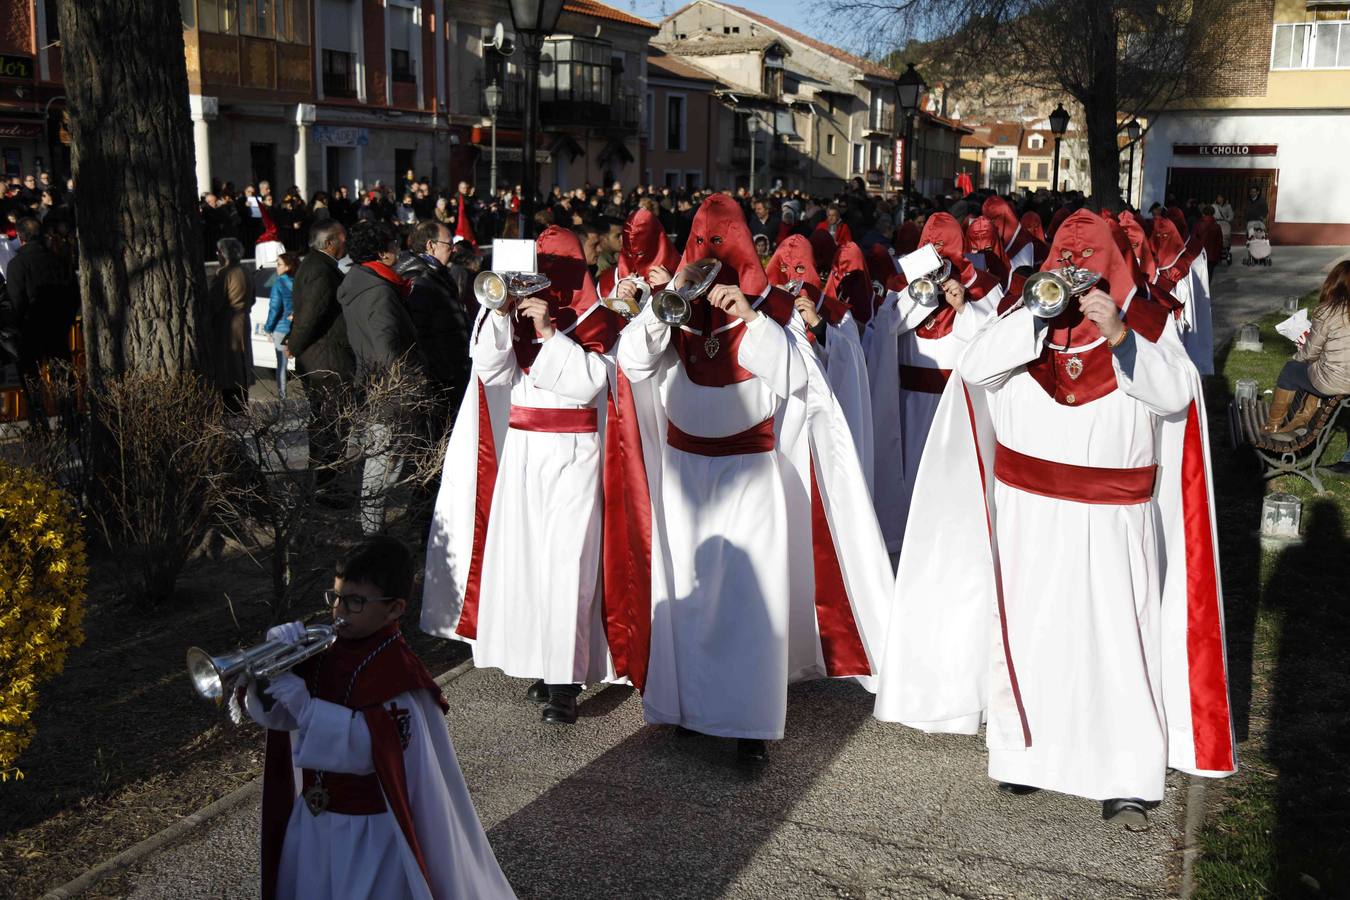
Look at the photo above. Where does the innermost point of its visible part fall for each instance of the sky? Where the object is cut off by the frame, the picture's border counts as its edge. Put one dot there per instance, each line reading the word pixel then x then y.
pixel 792 13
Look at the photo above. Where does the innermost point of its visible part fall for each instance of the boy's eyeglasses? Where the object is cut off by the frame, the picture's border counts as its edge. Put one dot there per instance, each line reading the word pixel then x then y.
pixel 354 602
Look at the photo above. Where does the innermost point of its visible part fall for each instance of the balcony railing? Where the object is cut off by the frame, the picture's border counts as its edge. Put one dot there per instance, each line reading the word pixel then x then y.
pixel 881 122
pixel 623 112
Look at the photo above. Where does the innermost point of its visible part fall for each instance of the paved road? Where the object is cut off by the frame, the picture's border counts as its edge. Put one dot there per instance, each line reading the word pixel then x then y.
pixel 847 807
pixel 1244 294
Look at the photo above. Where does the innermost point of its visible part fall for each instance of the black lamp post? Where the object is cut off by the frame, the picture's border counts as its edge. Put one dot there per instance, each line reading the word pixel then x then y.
pixel 1059 123
pixel 909 88
pixel 1132 131
pixel 533 21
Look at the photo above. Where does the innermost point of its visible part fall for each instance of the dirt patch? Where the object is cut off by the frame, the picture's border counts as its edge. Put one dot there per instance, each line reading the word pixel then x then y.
pixel 124 746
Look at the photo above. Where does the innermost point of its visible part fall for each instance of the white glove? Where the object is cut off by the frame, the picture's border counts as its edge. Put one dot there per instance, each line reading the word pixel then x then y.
pixel 290 632
pixel 290 691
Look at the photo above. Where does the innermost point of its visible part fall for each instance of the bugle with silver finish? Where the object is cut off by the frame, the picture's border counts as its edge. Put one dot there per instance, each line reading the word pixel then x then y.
pixel 1047 293
pixel 496 289
pixel 675 304
pixel 927 291
pixel 794 287
pixel 878 290
pixel 212 675
pixel 629 308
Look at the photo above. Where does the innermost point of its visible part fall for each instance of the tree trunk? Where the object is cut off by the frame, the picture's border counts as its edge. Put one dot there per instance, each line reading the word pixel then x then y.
pixel 1101 104
pixel 141 275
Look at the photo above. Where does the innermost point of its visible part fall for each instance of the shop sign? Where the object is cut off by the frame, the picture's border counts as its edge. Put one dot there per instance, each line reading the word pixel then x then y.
pixel 898 157
pixel 1224 149
pixel 16 67
pixel 22 130
pixel 341 135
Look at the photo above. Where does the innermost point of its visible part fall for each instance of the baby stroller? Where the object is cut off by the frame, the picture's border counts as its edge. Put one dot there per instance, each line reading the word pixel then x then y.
pixel 1226 229
pixel 1258 245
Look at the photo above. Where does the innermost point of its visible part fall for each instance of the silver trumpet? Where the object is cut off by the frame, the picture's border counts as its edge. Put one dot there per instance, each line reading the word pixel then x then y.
pixel 212 675
pixel 629 308
pixel 794 287
pixel 878 290
pixel 1048 293
pixel 675 304
pixel 496 289
pixel 927 291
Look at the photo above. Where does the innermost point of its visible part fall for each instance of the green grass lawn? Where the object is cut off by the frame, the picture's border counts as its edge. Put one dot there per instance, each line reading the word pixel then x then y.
pixel 1281 826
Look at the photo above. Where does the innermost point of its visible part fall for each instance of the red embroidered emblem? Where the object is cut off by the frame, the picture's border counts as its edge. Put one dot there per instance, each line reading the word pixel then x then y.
pixel 403 723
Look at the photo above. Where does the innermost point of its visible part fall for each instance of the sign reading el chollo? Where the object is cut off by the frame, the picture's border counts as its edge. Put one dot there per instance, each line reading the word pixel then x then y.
pixel 1224 149
pixel 16 67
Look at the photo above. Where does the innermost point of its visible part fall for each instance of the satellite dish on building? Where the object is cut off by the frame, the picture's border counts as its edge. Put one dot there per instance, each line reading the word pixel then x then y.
pixel 500 42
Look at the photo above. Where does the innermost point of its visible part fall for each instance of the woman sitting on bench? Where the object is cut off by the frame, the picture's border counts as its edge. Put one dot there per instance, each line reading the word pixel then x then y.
pixel 1321 367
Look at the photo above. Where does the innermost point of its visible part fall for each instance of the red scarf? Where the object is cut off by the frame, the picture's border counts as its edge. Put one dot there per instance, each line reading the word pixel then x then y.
pixel 403 285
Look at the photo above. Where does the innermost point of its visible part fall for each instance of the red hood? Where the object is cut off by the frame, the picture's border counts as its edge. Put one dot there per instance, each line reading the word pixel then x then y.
pixel 721 217
pixel 645 245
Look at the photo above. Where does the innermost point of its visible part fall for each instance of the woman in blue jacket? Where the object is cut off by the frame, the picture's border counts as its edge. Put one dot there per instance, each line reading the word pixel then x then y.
pixel 279 314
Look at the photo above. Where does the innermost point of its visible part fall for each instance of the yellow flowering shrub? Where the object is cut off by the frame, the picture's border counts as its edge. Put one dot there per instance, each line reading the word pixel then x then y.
pixel 43 576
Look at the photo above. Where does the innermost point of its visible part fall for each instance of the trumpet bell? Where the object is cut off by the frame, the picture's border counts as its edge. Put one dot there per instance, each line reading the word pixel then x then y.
pixel 629 308
pixel 672 308
pixel 1046 294
pixel 927 291
pixel 211 674
pixel 490 290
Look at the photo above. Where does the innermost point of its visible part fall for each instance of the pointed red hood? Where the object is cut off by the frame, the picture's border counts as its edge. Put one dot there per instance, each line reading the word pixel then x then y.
pixel 645 245
pixel 719 230
pixel 571 296
pixel 944 233
pixel 849 282
pixel 1032 224
pixel 1086 240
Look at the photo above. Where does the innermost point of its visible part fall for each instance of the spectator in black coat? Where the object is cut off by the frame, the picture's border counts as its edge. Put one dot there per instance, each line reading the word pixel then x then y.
pixel 318 342
pixel 441 319
pixel 45 300
pixel 382 334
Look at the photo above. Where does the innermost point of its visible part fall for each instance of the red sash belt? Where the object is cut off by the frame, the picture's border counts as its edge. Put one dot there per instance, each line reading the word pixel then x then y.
pixel 924 379
pixel 757 439
pixel 351 795
pixel 1081 484
pixel 558 421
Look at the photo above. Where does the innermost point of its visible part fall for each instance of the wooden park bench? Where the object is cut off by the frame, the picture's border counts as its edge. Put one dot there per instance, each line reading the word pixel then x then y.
pixel 1299 456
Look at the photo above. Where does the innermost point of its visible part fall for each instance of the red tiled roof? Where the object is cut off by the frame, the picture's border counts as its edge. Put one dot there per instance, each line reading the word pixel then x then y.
pixel 598 10
pixel 1047 143
pixel 975 142
pixel 1000 134
pixel 665 64
pixel 866 65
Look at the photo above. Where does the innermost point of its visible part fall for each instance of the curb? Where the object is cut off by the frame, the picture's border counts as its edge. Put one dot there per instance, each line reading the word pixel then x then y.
pixel 155 842
pixel 1195 820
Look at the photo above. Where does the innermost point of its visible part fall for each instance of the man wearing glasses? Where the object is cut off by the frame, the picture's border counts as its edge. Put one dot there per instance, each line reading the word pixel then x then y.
pixel 441 318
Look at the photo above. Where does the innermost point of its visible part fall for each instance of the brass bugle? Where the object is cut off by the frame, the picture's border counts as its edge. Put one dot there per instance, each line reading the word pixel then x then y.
pixel 1047 293
pixel 927 291
pixel 212 676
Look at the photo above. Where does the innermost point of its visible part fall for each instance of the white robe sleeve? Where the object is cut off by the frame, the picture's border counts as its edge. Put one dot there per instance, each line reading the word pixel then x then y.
pixel 975 314
pixel 997 350
pixel 337 740
pixel 766 352
pixel 494 357
pixel 910 313
pixel 275 719
pixel 642 345
pixel 1154 373
pixel 565 367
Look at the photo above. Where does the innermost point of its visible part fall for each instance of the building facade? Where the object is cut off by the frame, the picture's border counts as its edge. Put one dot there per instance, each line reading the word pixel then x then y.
pixel 322 93
pixel 685 119
pixel 822 116
pixel 1268 121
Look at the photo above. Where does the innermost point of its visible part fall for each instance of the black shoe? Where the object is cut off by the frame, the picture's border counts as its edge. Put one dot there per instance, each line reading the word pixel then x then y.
pixel 537 692
pixel 1127 811
pixel 1340 468
pixel 752 750
pixel 1017 790
pixel 561 708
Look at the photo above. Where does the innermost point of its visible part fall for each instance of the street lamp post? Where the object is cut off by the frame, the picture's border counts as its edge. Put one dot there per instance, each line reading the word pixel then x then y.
pixel 1132 131
pixel 1059 123
pixel 752 129
pixel 909 88
pixel 533 21
pixel 492 94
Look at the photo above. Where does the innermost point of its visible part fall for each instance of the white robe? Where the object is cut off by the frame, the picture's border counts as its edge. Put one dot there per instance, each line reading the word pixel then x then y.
pixel 539 611
pixel 733 611
pixel 1083 675
pixel 901 418
pixel 343 856
pixel 1199 337
pixel 846 366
